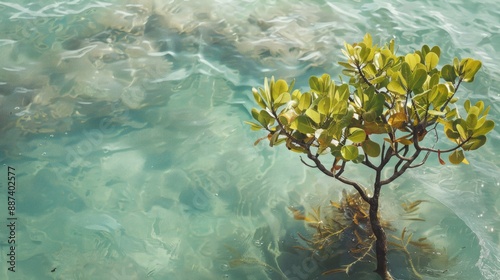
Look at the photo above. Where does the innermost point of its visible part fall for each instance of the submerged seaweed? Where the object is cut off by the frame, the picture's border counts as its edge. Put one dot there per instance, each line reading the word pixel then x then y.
pixel 343 232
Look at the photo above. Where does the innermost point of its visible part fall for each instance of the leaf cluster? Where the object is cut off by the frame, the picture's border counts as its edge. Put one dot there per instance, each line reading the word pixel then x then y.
pixel 400 97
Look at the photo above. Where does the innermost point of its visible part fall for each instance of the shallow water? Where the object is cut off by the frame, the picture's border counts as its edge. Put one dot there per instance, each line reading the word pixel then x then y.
pixel 124 122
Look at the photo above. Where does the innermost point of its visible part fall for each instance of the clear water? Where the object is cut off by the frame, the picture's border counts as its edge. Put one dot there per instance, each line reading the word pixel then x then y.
pixel 124 121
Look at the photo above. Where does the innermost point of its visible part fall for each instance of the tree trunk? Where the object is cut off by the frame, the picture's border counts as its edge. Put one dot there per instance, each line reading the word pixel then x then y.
pixel 381 239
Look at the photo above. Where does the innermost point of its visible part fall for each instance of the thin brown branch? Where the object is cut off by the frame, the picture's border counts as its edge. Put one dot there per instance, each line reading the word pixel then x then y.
pixel 422 162
pixel 444 151
pixel 307 164
pixel 342 168
pixel 360 71
pixel 368 163
pixel 344 180
pixel 451 97
pixel 400 172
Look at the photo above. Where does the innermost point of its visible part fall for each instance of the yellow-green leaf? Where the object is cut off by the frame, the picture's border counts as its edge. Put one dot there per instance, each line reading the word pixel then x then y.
pixel 471 121
pixel 349 152
pixel 456 157
pixel 279 87
pixel 436 113
pixel 283 98
pixel 418 79
pixel 258 98
pixel 324 106
pixel 395 87
pixel 448 73
pixel 371 148
pixel 254 126
pixel 436 50
pixel 313 115
pixel 367 39
pixel 461 131
pixel 485 128
pixel 302 124
pixel 470 68
pixel 305 101
pixel 404 141
pixel 356 135
pixel 474 143
pixel 431 61
pixel 255 113
pixel 412 59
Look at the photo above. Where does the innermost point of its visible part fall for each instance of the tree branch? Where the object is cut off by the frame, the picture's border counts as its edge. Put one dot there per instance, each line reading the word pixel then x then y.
pixel 400 172
pixel 360 71
pixel 306 164
pixel 368 163
pixel 444 151
pixel 422 162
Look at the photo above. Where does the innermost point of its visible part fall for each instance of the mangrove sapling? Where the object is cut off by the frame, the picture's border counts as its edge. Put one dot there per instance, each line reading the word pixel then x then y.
pixel 385 118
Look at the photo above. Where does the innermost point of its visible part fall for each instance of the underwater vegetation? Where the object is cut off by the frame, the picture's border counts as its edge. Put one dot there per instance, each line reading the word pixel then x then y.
pixel 342 237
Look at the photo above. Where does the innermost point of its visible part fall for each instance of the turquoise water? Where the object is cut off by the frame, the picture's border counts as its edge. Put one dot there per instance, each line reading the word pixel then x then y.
pixel 124 122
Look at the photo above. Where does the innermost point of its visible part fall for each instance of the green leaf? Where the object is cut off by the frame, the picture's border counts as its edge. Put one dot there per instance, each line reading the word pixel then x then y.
pixel 456 66
pixel 265 118
pixel 313 115
pixel 274 139
pixel 349 152
pixel 441 92
pixel 347 65
pixel 431 61
pixel 473 110
pixel 470 68
pixel 314 83
pixel 278 88
pixel 434 80
pixel 461 131
pixel 484 129
pixel 395 87
pixel 303 125
pixel 436 50
pixel 451 134
pixel 425 51
pixel 471 121
pixel 436 113
pixel 418 79
pixel 356 135
pixel 367 39
pixel 359 159
pixel 305 101
pixel 370 116
pixel 371 148
pixel 474 143
pixel 448 73
pixel 296 94
pixel 282 99
pixel 480 105
pixel 258 98
pixel 457 157
pixel 467 105
pixel 266 93
pixel 342 93
pixel 412 59
pixel 254 126
pixel 255 113
pixel 406 74
pixel 324 106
